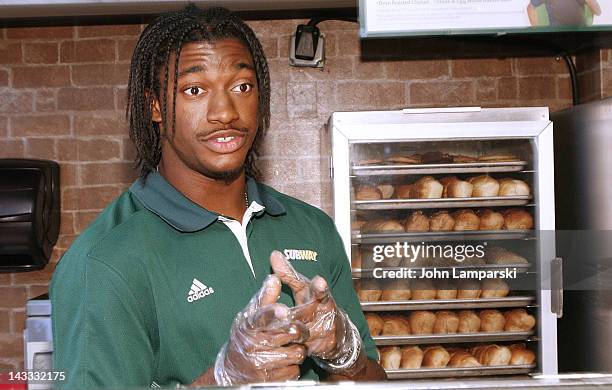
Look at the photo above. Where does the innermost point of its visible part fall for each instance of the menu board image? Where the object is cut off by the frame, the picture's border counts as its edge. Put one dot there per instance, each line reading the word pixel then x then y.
pixel 440 17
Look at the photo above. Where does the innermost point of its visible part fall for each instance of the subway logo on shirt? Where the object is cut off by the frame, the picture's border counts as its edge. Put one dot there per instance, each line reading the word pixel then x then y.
pixel 300 254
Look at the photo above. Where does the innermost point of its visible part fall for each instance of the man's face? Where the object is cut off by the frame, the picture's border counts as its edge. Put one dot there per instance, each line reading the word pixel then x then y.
pixel 216 109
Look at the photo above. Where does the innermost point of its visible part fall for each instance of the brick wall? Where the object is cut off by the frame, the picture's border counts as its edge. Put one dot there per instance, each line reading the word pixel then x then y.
pixel 62 96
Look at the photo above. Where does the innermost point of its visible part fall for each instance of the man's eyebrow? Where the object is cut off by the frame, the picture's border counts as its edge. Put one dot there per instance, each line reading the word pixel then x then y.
pixel 193 69
pixel 244 65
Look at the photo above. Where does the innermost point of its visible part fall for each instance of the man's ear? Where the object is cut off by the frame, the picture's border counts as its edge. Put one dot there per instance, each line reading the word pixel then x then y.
pixel 155 110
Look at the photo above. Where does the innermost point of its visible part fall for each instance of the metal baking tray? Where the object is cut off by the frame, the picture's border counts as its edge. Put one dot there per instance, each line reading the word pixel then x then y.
pixel 480 235
pixel 459 372
pixel 394 204
pixel 448 304
pixel 451 338
pixel 418 169
pixel 520 268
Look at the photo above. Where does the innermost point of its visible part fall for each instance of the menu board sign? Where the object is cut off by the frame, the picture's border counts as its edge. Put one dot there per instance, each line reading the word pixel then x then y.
pixel 380 18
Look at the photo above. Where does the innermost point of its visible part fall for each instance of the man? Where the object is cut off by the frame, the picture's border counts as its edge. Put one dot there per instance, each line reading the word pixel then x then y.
pixel 563 12
pixel 178 281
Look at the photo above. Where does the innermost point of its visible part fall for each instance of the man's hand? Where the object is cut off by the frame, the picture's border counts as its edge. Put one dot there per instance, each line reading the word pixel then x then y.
pixel 264 343
pixel 334 341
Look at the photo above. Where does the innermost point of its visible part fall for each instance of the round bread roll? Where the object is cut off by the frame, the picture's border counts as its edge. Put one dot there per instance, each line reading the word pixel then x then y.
pixel 517 219
pixel 357 224
pixel 455 188
pixel 446 322
pixel 494 288
pixel 426 188
pixel 465 220
pixel 490 220
pixel 370 161
pixel 513 187
pixel 421 322
pixel 412 357
pixel 441 221
pixel 469 322
pixel 390 358
pixel 395 325
pixel 382 226
pixel 368 291
pixel 492 321
pixel 521 355
pixel 484 186
pixel 386 190
pixel 468 289
pixel 412 159
pixel 396 290
pixel 498 158
pixel 423 289
pixel 461 159
pixel 355 258
pixel 446 290
pixel 365 192
pixel 417 222
pixel 436 158
pixel 493 355
pixel 497 255
pixel 462 359
pixel 435 357
pixel 518 320
pixel 403 191
pixel 375 323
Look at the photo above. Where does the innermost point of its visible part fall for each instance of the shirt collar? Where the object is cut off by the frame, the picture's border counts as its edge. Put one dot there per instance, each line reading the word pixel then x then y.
pixel 162 199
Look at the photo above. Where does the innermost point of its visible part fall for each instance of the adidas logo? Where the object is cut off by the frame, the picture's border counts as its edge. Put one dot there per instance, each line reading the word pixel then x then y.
pixel 198 291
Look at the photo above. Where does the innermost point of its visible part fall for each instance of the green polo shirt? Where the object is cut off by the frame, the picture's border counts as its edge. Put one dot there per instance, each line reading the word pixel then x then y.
pixel 147 293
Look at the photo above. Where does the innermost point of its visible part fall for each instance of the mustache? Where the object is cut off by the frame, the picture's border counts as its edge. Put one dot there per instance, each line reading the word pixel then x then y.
pixel 206 133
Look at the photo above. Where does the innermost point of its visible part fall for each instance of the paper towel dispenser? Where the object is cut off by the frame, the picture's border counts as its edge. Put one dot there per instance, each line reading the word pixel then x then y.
pixel 29 213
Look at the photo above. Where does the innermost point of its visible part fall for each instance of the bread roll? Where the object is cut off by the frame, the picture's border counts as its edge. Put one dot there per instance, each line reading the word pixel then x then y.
pixel 462 359
pixel 498 158
pixel 492 321
pixel 484 186
pixel 356 258
pixel 517 219
pixel 390 358
pixel 357 224
pixel 421 322
pixel 423 289
pixel 382 226
pixel 446 290
pixel 412 357
pixel 403 191
pixel 370 161
pixel 417 222
pixel 497 255
pixel 426 188
pixel 490 220
pixel 465 220
pixel 435 357
pixel 436 158
pixel 460 159
pixel 513 187
pixel 412 159
pixel 494 288
pixel 518 320
pixel 441 221
pixel 375 323
pixel 446 322
pixel 397 290
pixel 469 322
pixel 468 289
pixel 455 188
pixel 395 325
pixel 368 291
pixel 493 355
pixel 521 355
pixel 365 192
pixel 386 190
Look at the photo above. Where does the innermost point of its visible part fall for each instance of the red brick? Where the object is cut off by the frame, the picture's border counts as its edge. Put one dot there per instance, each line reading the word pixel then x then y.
pixel 100 74
pixel 35 290
pixel 84 99
pixel 65 240
pixel 448 93
pixel 39 33
pixel 125 49
pixel 10 53
pixel 279 70
pixel 41 76
pixel 4 78
pixel 540 65
pixel 12 297
pixel 120 98
pixel 590 86
pixel 271 28
pixel 5 279
pixel 426 69
pixel 98 150
pixel 606 82
pixel 301 100
pixel 481 67
pixel 369 70
pixel 14 102
pixel 108 30
pixel 564 86
pixel 537 87
pixel 18 318
pixel 508 88
pixel 43 148
pixel 10 365
pixel 270 46
pixel 10 148
pixel 11 347
pixel 363 95
pixel 590 60
pixel 34 277
pixel 41 52
pixel 338 68
pixel 89 198
pixel 45 100
pixel 3 126
pixel 5 321
pixel 100 123
pixel 67 223
pixel 51 124
pixel 68 172
pixel 278 100
pixel 96 50
pixel 128 150
pixel 67 150
pixel 107 173
pixel 349 43
pixel 486 90
pixel 84 218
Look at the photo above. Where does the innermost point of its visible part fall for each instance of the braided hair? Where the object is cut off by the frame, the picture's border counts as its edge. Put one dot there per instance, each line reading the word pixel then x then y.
pixel 164 36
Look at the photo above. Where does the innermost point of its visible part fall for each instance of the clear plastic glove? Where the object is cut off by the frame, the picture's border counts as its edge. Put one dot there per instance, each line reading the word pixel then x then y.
pixel 334 341
pixel 264 344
